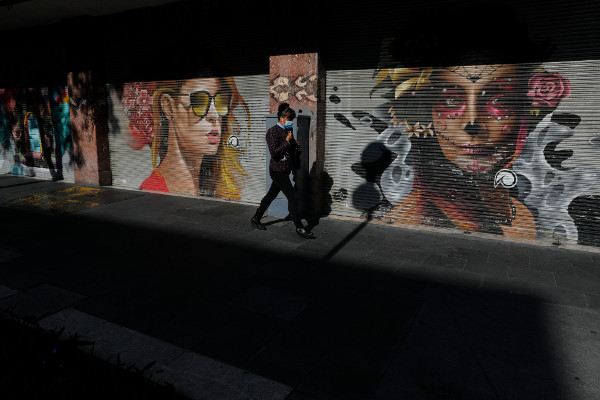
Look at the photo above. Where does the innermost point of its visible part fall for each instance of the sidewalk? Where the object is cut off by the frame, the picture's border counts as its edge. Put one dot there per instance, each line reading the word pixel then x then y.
pixel 365 311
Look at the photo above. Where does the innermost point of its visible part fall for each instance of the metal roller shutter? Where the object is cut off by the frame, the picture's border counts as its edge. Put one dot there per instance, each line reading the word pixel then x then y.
pixel 525 160
pixel 233 159
pixel 35 133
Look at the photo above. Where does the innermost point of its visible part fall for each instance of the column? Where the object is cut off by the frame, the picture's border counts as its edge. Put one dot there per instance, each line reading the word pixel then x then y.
pixel 299 79
pixel 89 129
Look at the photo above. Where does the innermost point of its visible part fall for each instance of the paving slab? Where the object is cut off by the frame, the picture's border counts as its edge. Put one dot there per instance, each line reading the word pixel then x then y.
pixel 194 375
pixel 6 291
pixel 9 192
pixel 364 311
pixel 200 377
pixel 271 301
pixel 40 301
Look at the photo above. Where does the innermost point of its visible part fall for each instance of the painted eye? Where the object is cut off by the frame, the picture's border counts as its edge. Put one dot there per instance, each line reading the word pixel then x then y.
pixel 496 101
pixel 452 101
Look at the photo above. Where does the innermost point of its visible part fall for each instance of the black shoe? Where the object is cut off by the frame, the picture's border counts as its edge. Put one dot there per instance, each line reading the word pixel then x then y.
pixel 256 223
pixel 304 233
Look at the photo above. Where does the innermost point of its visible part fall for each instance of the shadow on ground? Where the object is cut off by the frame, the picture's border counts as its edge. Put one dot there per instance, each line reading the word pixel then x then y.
pixel 329 330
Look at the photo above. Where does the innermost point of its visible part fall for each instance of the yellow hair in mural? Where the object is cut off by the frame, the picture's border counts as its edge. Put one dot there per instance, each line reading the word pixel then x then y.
pixel 227 169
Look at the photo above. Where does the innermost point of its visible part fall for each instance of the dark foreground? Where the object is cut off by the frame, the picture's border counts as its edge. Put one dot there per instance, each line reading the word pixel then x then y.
pixel 362 312
pixel 36 364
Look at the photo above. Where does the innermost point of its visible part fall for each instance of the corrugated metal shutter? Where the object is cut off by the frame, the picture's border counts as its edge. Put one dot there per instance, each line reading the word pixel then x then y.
pixel 233 166
pixel 35 133
pixel 539 180
pixel 351 137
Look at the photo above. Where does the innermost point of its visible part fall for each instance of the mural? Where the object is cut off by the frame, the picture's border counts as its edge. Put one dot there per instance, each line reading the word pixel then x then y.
pixel 283 88
pixel 35 131
pixel 193 133
pixel 469 135
pixel 467 140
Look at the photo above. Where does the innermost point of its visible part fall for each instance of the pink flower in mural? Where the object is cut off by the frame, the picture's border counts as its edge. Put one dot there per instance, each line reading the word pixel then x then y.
pixel 137 101
pixel 144 100
pixel 142 129
pixel 128 96
pixel 547 89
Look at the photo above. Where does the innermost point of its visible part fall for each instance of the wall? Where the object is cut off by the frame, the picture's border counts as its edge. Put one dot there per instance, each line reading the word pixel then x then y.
pixel 399 149
pixel 472 118
pixel 158 143
pixel 35 132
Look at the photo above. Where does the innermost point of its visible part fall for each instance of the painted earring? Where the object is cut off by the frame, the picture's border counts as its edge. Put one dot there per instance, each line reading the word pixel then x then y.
pixel 233 141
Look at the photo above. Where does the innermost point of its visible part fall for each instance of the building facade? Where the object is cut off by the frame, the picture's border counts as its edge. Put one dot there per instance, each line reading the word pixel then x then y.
pixel 480 117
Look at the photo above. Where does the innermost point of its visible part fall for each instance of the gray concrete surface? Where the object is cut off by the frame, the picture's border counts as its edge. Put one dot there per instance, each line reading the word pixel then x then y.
pixel 365 311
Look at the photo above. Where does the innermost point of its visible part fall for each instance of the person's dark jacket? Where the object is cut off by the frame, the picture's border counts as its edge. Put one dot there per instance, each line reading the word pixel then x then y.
pixel 281 150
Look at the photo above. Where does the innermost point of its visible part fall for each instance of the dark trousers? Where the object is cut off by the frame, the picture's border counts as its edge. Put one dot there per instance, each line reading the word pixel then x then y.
pixel 281 183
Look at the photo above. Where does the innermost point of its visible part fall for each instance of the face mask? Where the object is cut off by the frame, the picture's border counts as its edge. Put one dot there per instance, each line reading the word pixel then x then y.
pixel 288 125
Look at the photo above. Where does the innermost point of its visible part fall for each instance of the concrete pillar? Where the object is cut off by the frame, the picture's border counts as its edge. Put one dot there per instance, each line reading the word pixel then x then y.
pixel 89 129
pixel 299 79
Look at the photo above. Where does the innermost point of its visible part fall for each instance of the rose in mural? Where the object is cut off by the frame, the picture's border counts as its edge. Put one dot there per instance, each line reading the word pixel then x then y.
pixel 547 89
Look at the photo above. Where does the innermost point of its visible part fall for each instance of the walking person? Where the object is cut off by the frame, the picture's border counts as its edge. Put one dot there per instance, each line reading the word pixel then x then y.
pixel 281 144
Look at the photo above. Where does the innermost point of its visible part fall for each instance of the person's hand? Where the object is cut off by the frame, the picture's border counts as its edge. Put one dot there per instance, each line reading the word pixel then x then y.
pixel 298 143
pixel 289 137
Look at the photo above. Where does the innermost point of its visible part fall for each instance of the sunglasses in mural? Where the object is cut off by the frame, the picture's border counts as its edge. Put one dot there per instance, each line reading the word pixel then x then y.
pixel 212 145
pixel 200 102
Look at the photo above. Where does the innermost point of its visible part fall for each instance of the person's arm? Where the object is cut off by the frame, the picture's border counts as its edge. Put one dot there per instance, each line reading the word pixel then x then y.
pixel 277 147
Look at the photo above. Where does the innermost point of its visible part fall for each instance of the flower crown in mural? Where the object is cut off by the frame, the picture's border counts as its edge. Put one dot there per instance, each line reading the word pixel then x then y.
pixel 137 102
pixel 545 90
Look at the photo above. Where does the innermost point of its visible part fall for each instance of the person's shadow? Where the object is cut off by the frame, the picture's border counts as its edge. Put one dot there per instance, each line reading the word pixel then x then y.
pixel 311 214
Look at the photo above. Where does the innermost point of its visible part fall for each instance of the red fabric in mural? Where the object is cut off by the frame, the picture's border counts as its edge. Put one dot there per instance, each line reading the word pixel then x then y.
pixel 154 182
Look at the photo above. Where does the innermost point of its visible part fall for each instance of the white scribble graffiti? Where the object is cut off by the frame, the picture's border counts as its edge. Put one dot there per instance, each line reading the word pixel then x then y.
pixel 552 190
pixel 397 180
pixel 506 178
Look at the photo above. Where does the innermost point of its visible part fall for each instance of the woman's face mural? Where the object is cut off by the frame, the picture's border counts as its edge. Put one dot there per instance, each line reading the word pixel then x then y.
pixel 195 118
pixel 188 126
pixel 475 116
pixel 465 145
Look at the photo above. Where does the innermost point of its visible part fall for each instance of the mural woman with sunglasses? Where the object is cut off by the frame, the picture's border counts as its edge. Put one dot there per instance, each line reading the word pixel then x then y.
pixel 191 124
